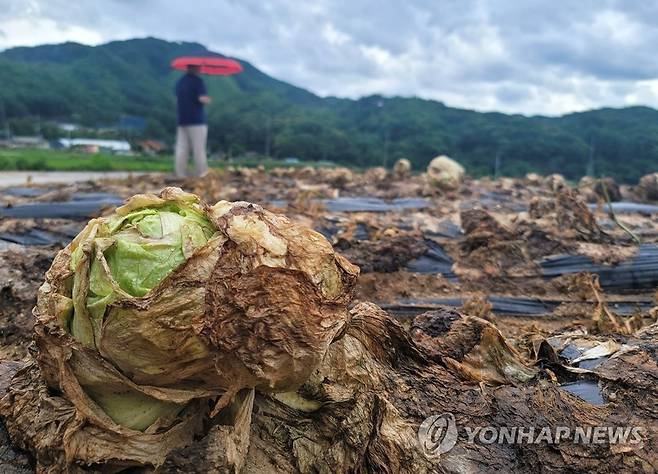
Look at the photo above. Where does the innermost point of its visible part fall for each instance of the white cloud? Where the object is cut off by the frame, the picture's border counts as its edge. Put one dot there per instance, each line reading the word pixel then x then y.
pixel 35 31
pixel 524 57
pixel 333 36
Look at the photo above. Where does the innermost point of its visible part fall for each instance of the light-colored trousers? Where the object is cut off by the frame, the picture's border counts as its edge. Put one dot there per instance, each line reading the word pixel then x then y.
pixel 191 138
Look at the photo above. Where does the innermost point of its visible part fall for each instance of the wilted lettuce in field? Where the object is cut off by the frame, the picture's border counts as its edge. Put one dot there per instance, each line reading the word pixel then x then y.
pixel 133 253
pixel 154 313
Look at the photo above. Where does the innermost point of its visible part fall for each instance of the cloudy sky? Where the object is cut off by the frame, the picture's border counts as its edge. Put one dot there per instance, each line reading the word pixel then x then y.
pixel 523 56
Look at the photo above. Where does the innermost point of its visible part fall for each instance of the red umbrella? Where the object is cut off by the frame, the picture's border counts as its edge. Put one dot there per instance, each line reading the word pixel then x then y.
pixel 209 65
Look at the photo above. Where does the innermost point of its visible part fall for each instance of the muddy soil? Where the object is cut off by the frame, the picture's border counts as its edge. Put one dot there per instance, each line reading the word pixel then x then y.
pixel 530 256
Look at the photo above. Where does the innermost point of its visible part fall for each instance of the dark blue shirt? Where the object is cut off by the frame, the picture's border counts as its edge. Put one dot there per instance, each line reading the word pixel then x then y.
pixel 190 110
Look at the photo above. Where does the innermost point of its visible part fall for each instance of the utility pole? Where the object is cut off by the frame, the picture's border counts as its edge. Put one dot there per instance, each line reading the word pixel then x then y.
pixel 497 162
pixel 3 119
pixel 268 136
pixel 386 131
pixel 386 142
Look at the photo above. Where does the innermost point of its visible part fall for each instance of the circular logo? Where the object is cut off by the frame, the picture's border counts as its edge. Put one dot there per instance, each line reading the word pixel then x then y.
pixel 437 434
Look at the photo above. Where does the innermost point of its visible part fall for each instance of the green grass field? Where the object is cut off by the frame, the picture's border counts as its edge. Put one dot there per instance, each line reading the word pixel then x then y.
pixel 55 160
pixel 62 160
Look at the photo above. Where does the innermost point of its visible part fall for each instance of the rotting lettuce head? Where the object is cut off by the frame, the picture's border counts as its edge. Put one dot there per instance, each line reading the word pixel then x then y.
pixel 131 253
pixel 154 312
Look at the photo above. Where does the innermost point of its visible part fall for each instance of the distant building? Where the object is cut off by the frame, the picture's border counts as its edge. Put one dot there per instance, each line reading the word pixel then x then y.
pixel 68 127
pixel 91 144
pixel 152 147
pixel 28 142
pixel 91 149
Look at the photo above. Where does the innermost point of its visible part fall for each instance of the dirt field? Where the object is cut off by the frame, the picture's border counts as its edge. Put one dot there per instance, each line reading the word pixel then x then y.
pixel 536 257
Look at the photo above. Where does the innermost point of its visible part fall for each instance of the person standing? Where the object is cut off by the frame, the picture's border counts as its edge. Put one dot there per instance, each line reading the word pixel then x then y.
pixel 192 131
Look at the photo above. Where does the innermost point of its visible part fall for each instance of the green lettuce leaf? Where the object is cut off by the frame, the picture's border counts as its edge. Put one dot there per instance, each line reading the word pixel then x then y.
pixel 150 245
pixel 129 256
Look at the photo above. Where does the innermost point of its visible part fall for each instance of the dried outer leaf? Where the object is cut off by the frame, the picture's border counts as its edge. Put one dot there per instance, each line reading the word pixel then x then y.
pixel 493 361
pixel 84 377
pixel 276 299
pixel 475 348
pixel 225 447
pixel 602 349
pixel 60 438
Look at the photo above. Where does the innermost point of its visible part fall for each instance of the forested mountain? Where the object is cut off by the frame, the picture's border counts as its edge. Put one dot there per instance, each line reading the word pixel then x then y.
pixel 254 112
